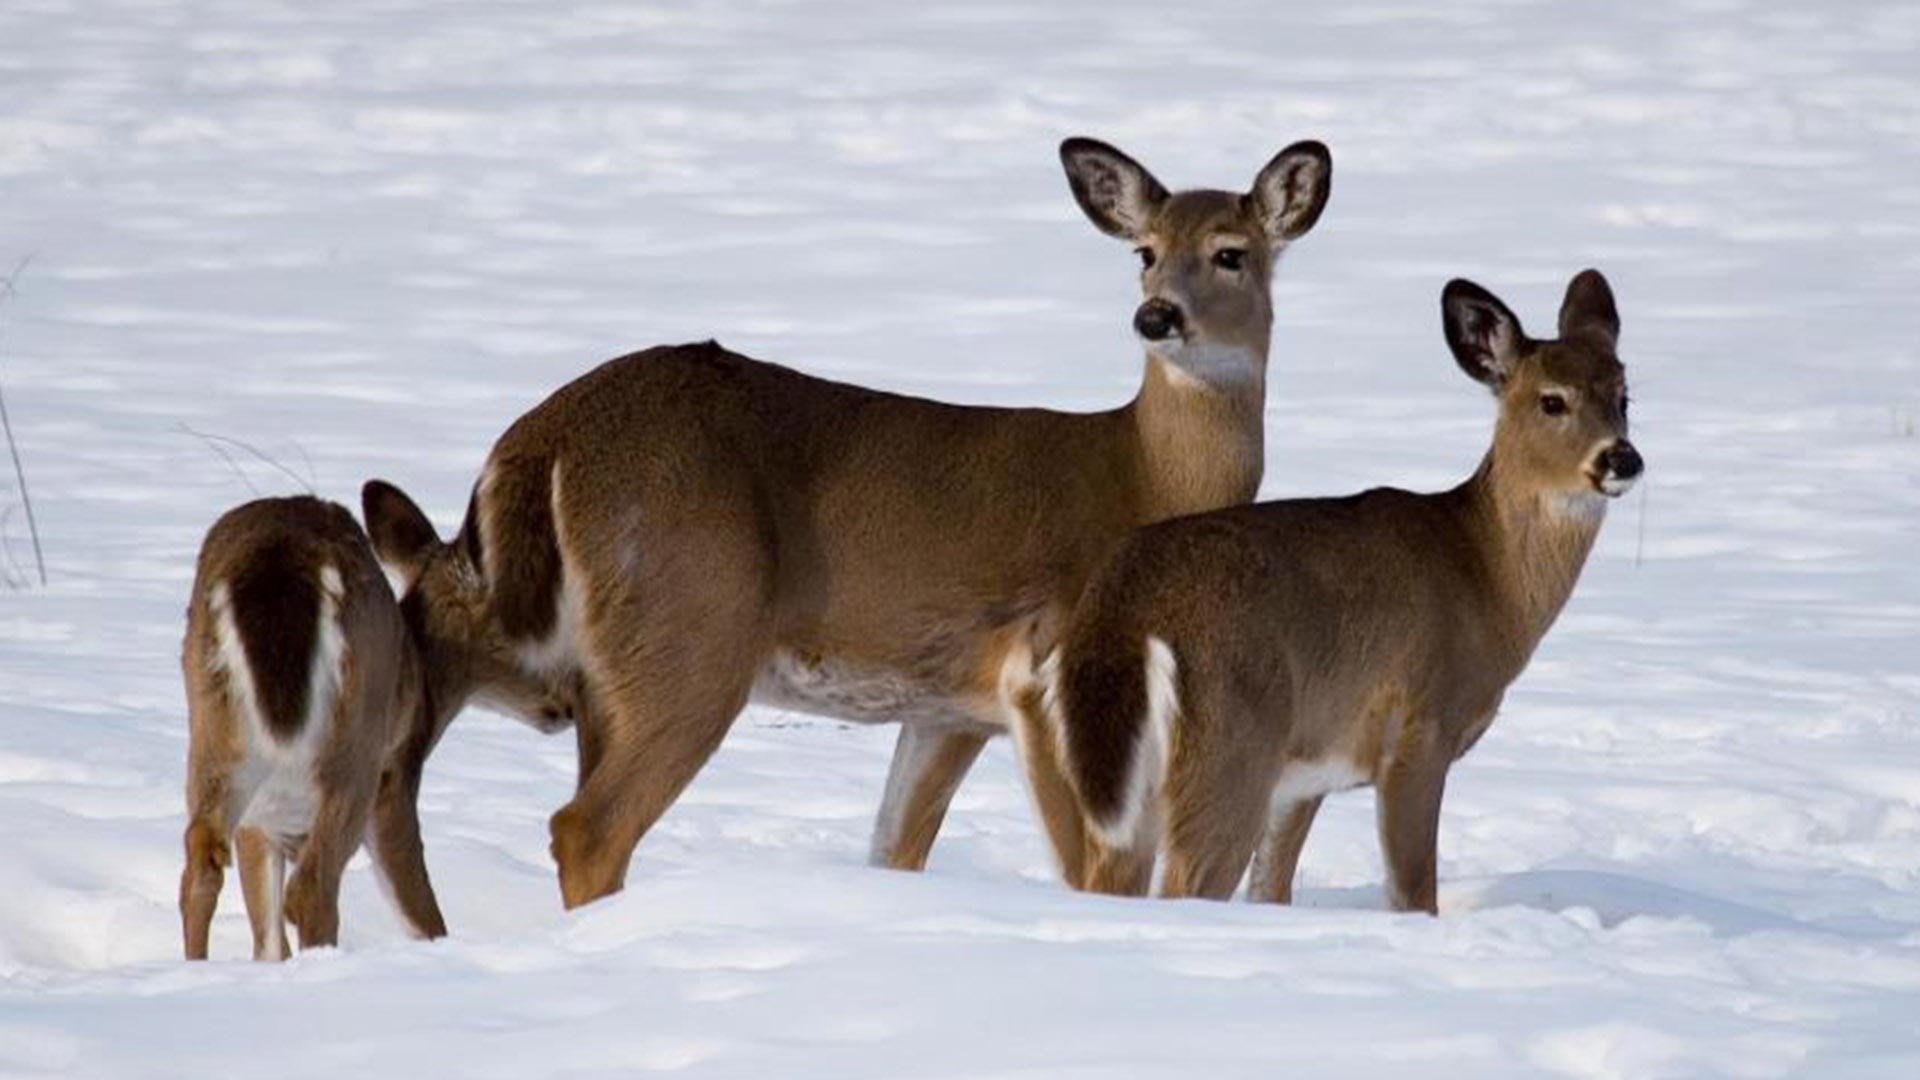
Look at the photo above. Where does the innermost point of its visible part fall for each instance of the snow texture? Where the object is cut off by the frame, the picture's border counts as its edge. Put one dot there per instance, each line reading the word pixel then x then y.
pixel 364 236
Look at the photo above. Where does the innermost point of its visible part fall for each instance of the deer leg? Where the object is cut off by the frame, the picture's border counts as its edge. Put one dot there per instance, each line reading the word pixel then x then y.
pixel 313 892
pixel 215 753
pixel 645 740
pixel 263 875
pixel 1216 799
pixel 928 765
pixel 590 744
pixel 1053 795
pixel 399 857
pixel 1206 858
pixel 1407 807
pixel 675 626
pixel 208 845
pixel 208 854
pixel 1121 869
pixel 1271 879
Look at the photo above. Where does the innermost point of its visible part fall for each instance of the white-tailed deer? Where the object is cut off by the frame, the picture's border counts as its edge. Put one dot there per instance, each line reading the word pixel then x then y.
pixel 1227 670
pixel 691 529
pixel 312 708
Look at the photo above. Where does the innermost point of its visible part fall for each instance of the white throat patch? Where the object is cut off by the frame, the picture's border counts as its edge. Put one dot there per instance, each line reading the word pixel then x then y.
pixel 1205 365
pixel 1577 506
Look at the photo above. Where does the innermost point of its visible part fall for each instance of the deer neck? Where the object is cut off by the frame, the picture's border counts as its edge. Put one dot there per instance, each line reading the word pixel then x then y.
pixel 1201 444
pixel 1535 542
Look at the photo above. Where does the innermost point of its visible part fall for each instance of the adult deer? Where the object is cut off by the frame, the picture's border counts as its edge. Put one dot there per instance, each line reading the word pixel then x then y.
pixel 1228 670
pixel 692 529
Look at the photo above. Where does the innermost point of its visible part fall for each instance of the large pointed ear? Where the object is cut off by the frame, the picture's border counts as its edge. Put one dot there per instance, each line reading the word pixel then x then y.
pixel 1589 308
pixel 402 536
pixel 1290 192
pixel 1485 337
pixel 1117 192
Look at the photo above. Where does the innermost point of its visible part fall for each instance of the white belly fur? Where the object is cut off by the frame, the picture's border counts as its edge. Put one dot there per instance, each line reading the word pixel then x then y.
pixel 1302 780
pixel 826 687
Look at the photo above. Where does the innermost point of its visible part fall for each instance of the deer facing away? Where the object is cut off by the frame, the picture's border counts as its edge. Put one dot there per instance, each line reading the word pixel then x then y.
pixel 1226 671
pixel 312 707
pixel 686 529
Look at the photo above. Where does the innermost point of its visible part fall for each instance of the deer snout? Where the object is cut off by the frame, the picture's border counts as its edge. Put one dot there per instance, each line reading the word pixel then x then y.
pixel 1158 320
pixel 1619 466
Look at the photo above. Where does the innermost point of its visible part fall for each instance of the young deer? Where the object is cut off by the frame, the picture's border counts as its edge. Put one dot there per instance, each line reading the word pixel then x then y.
pixel 690 529
pixel 1226 671
pixel 312 709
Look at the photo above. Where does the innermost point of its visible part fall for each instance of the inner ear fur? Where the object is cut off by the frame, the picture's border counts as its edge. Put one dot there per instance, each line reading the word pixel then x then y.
pixel 1483 333
pixel 1116 193
pixel 1291 190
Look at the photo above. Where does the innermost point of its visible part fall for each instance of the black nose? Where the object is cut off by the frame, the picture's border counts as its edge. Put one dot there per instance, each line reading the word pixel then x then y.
pixel 1157 320
pixel 1623 461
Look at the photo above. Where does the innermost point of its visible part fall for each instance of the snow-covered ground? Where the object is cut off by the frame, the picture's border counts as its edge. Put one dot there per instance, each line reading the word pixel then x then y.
pixel 362 237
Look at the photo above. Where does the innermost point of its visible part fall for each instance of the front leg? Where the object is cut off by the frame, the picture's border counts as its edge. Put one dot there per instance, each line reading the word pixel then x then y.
pixel 1407 807
pixel 928 764
pixel 1274 862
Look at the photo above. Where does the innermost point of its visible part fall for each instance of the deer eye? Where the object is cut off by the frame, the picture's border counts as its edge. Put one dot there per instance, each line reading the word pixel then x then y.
pixel 1230 258
pixel 1146 257
pixel 1553 404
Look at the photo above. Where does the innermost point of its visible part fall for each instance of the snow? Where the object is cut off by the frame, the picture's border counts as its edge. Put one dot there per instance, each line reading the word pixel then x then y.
pixel 363 236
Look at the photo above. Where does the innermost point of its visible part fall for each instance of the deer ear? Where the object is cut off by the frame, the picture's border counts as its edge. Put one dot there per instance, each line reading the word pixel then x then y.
pixel 1117 193
pixel 402 536
pixel 1290 192
pixel 1589 308
pixel 1485 337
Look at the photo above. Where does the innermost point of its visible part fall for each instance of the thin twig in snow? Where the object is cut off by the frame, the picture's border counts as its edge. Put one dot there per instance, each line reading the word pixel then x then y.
pixel 6 424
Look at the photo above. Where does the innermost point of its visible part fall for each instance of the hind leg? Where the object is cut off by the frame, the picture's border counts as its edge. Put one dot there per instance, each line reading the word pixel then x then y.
pixel 207 857
pixel 399 858
pixel 1053 796
pixel 208 853
pixel 394 836
pixel 673 676
pixel 263 874
pixel 674 621
pixel 1122 869
pixel 313 892
pixel 928 765
pixel 659 733
pixel 1207 858
pixel 1216 805
pixel 214 802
